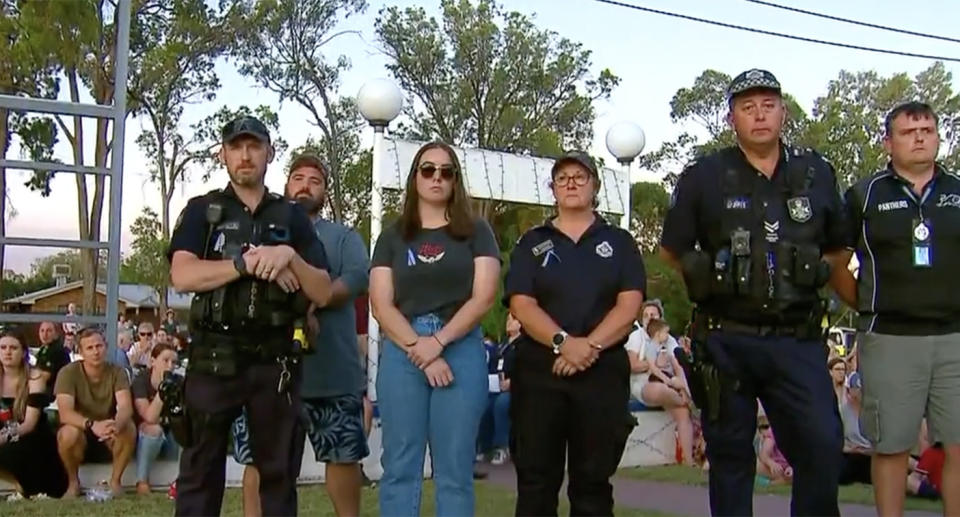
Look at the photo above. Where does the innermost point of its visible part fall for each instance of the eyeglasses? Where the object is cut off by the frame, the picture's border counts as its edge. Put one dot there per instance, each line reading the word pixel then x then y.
pixel 562 180
pixel 146 334
pixel 447 172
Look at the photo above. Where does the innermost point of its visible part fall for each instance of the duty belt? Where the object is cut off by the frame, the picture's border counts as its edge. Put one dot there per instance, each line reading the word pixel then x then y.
pixel 728 325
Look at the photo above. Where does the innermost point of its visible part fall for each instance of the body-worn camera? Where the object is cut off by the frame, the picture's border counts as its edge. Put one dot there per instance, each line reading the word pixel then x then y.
pixel 170 391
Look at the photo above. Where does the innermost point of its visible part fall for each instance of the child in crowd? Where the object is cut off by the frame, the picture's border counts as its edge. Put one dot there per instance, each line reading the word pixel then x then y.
pixel 772 466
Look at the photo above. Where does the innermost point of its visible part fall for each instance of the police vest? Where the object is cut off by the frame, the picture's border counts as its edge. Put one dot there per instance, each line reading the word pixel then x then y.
pixel 761 267
pixel 246 304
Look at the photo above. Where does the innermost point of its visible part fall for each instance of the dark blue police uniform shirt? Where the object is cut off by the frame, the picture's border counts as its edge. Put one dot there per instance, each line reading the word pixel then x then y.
pixel 191 230
pixel 698 201
pixel 576 283
pixel 895 295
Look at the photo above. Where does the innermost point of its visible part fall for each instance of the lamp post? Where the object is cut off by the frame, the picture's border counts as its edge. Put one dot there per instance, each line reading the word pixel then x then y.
pixel 379 102
pixel 625 141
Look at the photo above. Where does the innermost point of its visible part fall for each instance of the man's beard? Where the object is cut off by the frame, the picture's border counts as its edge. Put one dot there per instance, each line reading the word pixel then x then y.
pixel 246 179
pixel 311 205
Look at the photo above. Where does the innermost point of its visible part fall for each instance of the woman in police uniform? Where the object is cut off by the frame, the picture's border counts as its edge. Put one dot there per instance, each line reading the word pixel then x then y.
pixel 434 276
pixel 576 284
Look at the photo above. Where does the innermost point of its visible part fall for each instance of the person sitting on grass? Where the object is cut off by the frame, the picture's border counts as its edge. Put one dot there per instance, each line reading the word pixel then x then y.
pixel 96 413
pixel 927 477
pixel 153 437
pixel 772 466
pixel 666 385
pixel 28 449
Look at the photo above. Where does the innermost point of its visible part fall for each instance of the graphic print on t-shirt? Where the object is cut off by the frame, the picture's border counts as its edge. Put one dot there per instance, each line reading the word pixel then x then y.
pixel 430 253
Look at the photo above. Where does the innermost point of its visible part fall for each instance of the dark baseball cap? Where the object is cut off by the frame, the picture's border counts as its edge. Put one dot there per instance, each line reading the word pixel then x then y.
pixel 753 79
pixel 245 125
pixel 579 157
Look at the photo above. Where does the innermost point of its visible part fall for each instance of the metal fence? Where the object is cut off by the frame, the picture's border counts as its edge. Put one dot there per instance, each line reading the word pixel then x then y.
pixel 117 112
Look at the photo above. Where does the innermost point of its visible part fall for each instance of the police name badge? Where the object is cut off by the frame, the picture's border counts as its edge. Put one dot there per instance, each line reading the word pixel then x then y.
pixel 799 209
pixel 542 248
pixel 604 249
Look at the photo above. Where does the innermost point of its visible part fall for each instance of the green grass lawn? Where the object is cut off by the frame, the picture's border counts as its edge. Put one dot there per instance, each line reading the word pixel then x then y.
pixel 491 501
pixel 855 494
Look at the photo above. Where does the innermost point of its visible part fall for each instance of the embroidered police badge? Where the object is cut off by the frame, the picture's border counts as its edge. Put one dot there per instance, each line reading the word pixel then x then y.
pixel 604 249
pixel 799 209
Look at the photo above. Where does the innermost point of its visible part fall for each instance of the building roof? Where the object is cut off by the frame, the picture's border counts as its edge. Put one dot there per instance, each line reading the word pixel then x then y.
pixel 134 296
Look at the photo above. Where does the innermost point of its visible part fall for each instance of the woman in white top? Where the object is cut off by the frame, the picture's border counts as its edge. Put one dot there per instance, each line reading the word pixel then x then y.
pixel 658 380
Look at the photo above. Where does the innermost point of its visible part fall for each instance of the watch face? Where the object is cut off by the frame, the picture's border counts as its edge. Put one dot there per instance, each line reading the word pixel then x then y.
pixel 558 339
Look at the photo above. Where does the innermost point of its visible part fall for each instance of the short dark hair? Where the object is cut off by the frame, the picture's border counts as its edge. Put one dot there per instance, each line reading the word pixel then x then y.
pixel 914 109
pixel 835 361
pixel 160 348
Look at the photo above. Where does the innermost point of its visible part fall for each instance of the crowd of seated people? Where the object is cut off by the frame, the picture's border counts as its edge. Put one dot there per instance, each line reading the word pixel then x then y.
pixel 68 400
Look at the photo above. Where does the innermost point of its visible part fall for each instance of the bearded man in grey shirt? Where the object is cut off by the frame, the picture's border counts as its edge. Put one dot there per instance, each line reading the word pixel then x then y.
pixel 333 381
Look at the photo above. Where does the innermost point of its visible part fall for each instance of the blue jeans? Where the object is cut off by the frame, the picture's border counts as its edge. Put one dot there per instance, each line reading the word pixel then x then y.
pixel 413 414
pixel 495 426
pixel 149 448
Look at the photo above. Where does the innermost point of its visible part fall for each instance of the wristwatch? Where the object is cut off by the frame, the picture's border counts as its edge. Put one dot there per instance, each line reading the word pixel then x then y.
pixel 88 424
pixel 558 340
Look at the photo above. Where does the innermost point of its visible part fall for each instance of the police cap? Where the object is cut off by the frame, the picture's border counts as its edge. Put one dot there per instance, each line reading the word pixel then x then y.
pixel 580 158
pixel 754 79
pixel 245 125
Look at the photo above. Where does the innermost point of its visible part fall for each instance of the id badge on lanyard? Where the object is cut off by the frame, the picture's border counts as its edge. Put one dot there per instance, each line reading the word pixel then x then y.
pixel 922 243
pixel 922 231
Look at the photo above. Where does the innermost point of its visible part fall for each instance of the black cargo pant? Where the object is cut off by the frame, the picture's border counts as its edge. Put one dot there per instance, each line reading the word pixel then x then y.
pixel 274 428
pixel 585 414
pixel 790 378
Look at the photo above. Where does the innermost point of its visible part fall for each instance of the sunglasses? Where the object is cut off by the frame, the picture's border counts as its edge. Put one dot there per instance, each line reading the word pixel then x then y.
pixel 146 334
pixel 447 172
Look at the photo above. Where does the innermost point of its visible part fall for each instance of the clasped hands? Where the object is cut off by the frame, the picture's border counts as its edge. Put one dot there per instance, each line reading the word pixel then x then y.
pixel 272 263
pixel 104 429
pixel 576 355
pixel 425 354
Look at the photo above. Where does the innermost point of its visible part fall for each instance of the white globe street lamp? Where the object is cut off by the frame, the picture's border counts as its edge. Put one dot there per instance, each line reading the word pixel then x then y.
pixel 379 101
pixel 625 141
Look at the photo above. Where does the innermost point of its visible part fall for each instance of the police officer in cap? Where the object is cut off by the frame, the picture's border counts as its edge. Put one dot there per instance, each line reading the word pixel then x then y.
pixel 255 264
pixel 756 229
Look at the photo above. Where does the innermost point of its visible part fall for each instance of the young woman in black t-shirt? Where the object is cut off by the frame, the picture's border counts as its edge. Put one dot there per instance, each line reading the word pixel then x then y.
pixel 434 276
pixel 153 437
pixel 28 447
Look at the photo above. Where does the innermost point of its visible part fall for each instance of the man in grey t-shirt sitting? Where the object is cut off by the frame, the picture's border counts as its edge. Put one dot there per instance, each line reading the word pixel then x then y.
pixel 333 381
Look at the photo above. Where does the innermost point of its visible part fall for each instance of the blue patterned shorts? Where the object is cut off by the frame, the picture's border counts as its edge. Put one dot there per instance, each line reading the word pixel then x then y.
pixel 334 426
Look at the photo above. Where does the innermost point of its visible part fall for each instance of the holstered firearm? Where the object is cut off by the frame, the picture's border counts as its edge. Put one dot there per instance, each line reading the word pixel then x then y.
pixel 704 377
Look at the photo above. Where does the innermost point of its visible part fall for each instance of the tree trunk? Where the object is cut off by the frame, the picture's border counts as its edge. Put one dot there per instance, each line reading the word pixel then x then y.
pixel 87 257
pixel 91 269
pixel 166 193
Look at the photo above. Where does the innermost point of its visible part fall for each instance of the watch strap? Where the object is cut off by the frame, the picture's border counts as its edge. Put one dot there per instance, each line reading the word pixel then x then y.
pixel 240 265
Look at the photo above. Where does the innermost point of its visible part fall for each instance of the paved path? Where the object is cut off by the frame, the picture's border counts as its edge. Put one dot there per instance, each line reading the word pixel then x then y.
pixel 686 500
